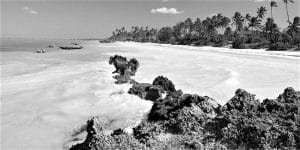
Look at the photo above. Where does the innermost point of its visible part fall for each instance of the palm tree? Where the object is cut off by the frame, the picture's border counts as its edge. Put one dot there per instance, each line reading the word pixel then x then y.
pixel 178 31
pixel 238 20
pixel 227 32
pixel 273 4
pixel 270 26
pixel 294 29
pixel 224 23
pixel 254 22
pixel 261 12
pixel 188 23
pixel 247 19
pixel 198 28
pixel 165 34
pixel 286 8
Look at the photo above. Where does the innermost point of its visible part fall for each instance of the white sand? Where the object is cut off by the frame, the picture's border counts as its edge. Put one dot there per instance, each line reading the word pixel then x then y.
pixel 217 72
pixel 46 96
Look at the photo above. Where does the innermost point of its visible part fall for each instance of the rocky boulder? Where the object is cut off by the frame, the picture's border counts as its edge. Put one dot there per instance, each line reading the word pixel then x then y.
pixel 289 95
pixel 146 91
pixel 165 83
pixel 124 69
pixel 180 109
pixel 244 123
pixel 242 101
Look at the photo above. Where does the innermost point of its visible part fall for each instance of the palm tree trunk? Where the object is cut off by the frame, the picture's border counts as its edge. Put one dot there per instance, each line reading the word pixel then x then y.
pixel 271 12
pixel 287 13
pixel 272 18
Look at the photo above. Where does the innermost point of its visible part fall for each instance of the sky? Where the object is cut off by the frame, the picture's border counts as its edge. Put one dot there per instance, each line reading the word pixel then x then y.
pixel 75 19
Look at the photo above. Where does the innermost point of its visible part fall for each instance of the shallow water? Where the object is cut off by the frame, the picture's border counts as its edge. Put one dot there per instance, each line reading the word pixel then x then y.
pixel 46 97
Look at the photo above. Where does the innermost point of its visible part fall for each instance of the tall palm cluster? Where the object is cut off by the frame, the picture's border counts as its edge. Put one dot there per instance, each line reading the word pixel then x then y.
pixel 219 30
pixel 136 33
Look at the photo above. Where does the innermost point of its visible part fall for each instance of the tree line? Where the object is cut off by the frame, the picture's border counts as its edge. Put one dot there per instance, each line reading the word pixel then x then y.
pixel 241 31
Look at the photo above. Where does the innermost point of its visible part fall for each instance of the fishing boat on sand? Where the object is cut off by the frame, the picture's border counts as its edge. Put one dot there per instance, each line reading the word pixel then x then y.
pixel 71 47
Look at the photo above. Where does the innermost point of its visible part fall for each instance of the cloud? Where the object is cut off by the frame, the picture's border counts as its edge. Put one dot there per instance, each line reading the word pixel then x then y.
pixel 165 10
pixel 165 0
pixel 29 10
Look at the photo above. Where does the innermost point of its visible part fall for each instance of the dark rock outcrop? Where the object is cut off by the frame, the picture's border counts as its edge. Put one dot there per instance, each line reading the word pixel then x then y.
pixel 125 69
pixel 244 123
pixel 185 121
pixel 242 101
pixel 97 140
pixel 146 91
pixel 289 96
pixel 172 105
pixel 190 121
pixel 165 83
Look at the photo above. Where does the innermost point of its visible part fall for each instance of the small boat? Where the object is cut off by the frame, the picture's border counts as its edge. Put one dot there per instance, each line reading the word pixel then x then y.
pixel 74 43
pixel 50 46
pixel 70 47
pixel 105 41
pixel 41 51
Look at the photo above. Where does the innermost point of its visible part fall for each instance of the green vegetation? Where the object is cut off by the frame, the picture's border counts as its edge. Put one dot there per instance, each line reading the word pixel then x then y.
pixel 242 31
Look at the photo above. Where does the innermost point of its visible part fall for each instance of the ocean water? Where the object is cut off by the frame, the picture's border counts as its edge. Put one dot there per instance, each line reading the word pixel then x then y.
pixel 47 98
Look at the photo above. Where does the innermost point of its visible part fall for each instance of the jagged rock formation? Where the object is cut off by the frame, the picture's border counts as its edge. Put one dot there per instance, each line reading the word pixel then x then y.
pixel 146 91
pixel 153 91
pixel 97 140
pixel 185 121
pixel 190 121
pixel 247 124
pixel 165 83
pixel 125 69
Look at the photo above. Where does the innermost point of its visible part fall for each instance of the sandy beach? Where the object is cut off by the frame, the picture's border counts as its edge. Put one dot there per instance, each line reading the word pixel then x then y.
pixel 46 97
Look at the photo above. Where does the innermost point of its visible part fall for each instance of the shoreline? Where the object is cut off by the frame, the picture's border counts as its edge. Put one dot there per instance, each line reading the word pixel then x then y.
pixel 225 49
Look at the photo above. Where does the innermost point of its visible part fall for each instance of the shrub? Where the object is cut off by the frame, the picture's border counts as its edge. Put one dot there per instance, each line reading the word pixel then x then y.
pixel 285 38
pixel 280 46
pixel 239 42
pixel 255 38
